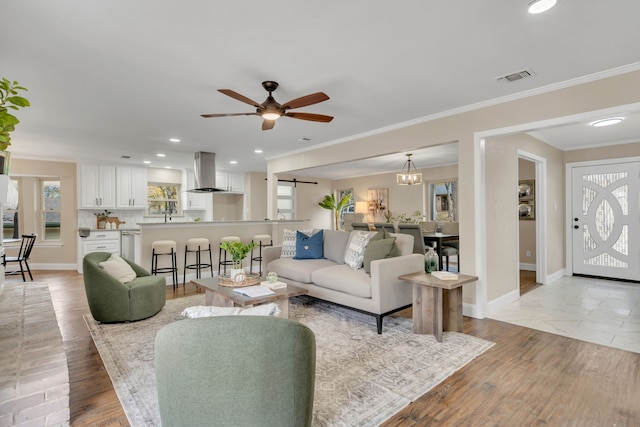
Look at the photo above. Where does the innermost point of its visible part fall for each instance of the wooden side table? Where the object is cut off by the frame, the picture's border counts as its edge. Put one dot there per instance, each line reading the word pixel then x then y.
pixel 437 304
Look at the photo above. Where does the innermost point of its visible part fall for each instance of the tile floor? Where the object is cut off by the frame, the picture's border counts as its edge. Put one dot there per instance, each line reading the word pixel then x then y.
pixel 599 311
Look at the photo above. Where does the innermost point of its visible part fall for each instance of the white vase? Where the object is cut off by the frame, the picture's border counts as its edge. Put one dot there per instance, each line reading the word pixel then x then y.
pixel 237 274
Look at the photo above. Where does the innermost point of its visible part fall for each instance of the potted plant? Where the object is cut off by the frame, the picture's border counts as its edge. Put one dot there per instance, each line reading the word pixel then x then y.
pixel 329 202
pixel 9 99
pixel 238 252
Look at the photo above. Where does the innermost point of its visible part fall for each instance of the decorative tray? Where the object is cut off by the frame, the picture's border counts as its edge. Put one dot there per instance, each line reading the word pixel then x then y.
pixel 249 279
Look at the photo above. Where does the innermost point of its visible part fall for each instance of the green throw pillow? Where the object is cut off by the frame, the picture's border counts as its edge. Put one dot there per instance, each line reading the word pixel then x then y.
pixel 384 234
pixel 379 249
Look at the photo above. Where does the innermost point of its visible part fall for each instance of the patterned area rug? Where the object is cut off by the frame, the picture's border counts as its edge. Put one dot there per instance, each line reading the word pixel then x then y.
pixel 362 378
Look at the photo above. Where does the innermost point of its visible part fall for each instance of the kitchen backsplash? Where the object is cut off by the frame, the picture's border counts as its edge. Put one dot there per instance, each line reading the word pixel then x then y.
pixel 87 217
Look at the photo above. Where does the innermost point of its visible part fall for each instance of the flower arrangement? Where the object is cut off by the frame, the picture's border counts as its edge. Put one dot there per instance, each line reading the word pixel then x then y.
pixel 103 215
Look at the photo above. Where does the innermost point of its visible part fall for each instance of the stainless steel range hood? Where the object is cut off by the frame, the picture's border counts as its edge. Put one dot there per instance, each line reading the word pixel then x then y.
pixel 205 173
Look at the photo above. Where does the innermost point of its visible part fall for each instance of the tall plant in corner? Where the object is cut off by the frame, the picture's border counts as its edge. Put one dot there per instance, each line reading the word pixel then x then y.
pixel 9 99
pixel 329 202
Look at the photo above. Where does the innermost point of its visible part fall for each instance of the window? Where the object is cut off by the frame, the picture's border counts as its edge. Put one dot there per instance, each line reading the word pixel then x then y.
pixel 10 224
pixel 50 209
pixel 162 198
pixel 444 201
pixel 286 200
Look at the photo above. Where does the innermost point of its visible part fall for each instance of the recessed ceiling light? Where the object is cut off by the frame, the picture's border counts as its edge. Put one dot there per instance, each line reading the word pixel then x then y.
pixel 607 122
pixel 174 140
pixel 234 162
pixel 539 6
pixel 258 151
pixel 161 155
pixel 146 162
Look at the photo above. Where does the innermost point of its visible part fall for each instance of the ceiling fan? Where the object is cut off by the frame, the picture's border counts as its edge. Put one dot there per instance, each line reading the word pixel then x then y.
pixel 270 109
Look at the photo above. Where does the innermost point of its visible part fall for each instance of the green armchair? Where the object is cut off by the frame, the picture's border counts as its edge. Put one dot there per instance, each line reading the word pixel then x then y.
pixel 113 301
pixel 235 371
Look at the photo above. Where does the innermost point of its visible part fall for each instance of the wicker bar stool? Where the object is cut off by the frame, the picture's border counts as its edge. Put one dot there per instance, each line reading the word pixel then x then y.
pixel 261 240
pixel 223 262
pixel 165 248
pixel 197 245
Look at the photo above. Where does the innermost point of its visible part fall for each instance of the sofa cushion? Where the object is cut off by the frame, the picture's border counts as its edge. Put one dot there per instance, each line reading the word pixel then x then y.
pixel 379 249
pixel 335 245
pixel 297 269
pixel 309 247
pixel 354 254
pixel 289 242
pixel 344 279
pixel 118 268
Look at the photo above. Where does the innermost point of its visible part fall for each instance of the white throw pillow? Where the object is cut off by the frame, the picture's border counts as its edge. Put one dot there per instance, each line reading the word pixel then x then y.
pixel 118 268
pixel 270 309
pixel 289 242
pixel 354 255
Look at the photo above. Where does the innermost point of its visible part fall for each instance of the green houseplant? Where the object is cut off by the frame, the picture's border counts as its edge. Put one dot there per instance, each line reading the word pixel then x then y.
pixel 9 99
pixel 238 252
pixel 329 202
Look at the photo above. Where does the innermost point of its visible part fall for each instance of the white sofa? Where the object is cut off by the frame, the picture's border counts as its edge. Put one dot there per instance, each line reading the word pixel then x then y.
pixel 330 279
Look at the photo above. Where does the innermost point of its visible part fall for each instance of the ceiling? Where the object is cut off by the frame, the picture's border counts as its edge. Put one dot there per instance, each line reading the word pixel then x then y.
pixel 117 78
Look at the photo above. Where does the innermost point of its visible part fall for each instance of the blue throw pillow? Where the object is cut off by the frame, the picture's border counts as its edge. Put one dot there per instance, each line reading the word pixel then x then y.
pixel 309 247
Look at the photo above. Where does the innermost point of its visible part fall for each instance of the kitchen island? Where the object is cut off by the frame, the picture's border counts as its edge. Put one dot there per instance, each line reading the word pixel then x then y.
pixel 180 232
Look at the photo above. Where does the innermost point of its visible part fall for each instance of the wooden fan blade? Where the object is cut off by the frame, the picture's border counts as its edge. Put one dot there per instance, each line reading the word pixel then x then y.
pixel 303 101
pixel 311 117
pixel 268 124
pixel 242 98
pixel 229 114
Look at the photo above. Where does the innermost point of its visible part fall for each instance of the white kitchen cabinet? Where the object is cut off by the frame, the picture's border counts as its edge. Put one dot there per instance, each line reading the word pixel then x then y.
pixel 98 241
pixel 194 201
pixel 231 182
pixel 131 187
pixel 97 186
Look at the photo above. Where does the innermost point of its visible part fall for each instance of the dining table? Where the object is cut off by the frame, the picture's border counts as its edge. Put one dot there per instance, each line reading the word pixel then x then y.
pixel 439 239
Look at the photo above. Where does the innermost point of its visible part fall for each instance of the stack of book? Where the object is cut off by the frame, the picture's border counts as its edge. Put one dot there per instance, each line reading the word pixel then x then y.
pixel 444 275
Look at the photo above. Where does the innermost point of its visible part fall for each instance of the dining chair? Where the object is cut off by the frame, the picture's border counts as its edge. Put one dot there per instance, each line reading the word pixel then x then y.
pixel 379 226
pixel 360 226
pixel 416 231
pixel 451 247
pixel 26 245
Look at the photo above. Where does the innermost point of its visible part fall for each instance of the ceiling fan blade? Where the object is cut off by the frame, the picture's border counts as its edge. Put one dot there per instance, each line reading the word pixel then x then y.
pixel 310 116
pixel 268 124
pixel 242 98
pixel 229 114
pixel 303 101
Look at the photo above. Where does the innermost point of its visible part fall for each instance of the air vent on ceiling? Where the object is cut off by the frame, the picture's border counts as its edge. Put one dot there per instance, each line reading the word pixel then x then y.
pixel 524 74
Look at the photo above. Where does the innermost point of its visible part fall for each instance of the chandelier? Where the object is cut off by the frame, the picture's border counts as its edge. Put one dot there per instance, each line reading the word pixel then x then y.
pixel 407 177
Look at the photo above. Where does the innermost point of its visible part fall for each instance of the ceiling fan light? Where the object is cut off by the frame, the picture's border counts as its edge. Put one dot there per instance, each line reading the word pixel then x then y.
pixel 270 116
pixel 539 6
pixel 407 177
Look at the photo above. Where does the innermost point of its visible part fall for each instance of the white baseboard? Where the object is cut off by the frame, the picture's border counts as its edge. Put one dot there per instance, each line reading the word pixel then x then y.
pixel 527 267
pixel 471 310
pixel 555 276
pixel 503 300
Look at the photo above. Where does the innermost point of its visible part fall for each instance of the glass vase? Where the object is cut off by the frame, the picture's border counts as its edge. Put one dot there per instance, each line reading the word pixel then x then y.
pixel 431 261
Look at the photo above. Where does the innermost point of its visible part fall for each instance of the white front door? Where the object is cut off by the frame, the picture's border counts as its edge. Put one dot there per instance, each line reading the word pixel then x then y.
pixel 606 220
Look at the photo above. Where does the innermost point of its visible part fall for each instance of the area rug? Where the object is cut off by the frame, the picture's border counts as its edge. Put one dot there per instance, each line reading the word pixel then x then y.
pixel 362 378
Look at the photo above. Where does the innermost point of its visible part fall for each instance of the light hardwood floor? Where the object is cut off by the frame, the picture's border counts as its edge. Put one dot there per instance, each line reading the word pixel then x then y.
pixel 527 378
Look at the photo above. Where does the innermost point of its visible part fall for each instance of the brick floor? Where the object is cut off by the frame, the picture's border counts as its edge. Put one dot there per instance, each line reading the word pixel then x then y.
pixel 34 378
